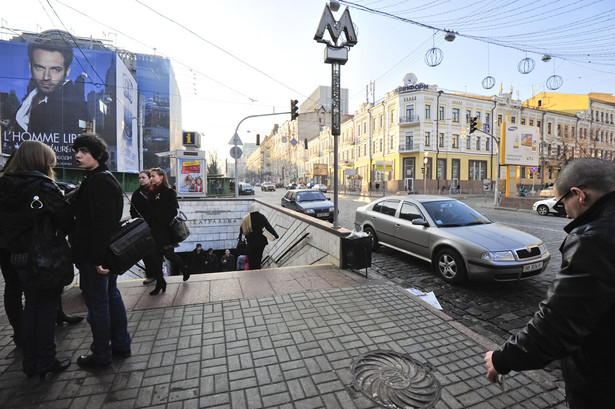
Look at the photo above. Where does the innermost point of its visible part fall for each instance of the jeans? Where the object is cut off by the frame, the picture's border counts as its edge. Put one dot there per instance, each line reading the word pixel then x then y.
pixel 106 313
pixel 38 321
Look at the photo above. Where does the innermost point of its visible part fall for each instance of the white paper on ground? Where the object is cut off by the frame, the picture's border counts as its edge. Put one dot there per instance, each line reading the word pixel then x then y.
pixel 429 298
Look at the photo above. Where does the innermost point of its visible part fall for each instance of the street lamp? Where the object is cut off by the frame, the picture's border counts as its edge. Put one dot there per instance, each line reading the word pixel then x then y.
pixel 425 160
pixel 336 54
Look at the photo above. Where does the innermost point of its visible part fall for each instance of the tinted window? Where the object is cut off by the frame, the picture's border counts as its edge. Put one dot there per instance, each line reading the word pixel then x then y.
pixel 388 207
pixel 409 211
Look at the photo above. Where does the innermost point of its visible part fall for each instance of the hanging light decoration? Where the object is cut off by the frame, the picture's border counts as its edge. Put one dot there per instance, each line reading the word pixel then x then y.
pixel 449 36
pixel 554 82
pixel 526 65
pixel 488 81
pixel 434 55
pixel 546 58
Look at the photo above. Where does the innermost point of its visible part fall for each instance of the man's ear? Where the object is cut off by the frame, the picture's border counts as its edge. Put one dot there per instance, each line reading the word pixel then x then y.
pixel 67 72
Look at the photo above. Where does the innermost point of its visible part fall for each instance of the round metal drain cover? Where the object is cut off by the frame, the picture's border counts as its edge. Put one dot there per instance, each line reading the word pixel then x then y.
pixel 395 380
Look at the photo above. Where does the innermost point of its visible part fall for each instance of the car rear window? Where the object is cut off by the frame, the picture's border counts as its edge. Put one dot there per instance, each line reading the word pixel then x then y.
pixel 388 207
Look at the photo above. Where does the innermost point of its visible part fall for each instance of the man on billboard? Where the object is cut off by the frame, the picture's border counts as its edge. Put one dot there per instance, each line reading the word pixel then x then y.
pixel 55 106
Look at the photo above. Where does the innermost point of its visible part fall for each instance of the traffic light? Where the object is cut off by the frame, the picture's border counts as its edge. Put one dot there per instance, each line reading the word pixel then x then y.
pixel 473 124
pixel 294 109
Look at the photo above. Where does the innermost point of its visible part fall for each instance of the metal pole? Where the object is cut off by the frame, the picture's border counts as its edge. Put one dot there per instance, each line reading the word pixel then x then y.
pixel 335 131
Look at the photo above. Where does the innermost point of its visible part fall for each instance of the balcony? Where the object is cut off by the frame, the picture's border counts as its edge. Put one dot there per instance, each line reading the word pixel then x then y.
pixel 409 120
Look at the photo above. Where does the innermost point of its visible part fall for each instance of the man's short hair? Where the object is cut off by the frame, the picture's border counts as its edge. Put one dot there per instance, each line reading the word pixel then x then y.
pixel 94 144
pixel 54 40
pixel 592 173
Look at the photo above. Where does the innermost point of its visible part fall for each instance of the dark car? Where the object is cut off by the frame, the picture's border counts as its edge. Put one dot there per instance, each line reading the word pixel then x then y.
pixel 246 189
pixel 310 202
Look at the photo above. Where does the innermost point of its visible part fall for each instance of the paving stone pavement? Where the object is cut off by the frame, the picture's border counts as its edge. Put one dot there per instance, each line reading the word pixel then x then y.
pixel 283 338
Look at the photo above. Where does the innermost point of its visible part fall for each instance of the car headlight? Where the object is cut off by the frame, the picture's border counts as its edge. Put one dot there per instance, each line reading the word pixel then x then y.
pixel 498 256
pixel 309 211
pixel 331 209
pixel 543 248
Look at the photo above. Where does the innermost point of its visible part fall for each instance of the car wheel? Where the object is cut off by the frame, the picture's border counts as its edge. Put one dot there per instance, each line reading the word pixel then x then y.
pixel 543 210
pixel 449 264
pixel 371 233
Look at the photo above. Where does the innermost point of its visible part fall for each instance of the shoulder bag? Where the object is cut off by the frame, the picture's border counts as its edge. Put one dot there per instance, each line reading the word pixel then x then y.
pixel 179 229
pixel 130 242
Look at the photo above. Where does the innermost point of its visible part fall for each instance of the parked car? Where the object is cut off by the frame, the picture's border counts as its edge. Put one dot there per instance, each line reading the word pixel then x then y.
pixel 246 189
pixel 322 188
pixel 310 202
pixel 267 186
pixel 547 206
pixel 460 243
pixel 291 186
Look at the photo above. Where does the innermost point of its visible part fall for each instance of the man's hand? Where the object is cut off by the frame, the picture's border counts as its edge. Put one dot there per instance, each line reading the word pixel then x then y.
pixel 101 270
pixel 492 374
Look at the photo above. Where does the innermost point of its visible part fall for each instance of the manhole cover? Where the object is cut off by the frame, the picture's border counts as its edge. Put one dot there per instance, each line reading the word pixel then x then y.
pixel 394 380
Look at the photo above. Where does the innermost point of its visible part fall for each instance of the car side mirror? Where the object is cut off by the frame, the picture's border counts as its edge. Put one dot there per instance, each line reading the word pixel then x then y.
pixel 420 222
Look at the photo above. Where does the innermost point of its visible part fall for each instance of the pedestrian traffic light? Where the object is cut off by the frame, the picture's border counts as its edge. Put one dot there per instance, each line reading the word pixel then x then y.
pixel 473 124
pixel 294 109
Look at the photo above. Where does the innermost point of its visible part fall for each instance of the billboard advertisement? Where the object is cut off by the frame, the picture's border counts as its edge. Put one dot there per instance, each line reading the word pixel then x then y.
pixel 519 145
pixel 50 87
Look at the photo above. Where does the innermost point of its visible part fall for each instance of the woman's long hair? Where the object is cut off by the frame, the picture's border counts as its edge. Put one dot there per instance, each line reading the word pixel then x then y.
pixel 33 155
pixel 161 172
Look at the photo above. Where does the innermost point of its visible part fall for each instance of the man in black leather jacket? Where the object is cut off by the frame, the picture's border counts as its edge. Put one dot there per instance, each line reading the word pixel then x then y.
pixel 576 322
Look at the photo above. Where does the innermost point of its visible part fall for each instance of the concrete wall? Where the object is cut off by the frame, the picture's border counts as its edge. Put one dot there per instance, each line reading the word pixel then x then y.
pixel 304 240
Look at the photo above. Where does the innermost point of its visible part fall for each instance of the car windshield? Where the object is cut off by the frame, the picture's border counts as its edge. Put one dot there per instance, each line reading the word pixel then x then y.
pixel 453 213
pixel 310 197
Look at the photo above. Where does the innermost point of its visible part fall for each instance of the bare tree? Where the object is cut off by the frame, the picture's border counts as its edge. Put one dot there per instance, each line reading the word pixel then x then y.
pixel 213 163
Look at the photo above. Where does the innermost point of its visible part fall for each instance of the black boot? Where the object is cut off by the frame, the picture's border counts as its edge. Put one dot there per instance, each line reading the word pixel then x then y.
pixel 69 319
pixel 161 285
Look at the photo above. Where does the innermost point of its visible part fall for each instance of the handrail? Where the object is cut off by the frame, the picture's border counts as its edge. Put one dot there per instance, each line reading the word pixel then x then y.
pixel 291 247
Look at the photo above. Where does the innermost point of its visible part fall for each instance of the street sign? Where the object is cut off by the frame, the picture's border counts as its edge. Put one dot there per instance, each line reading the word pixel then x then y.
pixel 235 140
pixel 236 152
pixel 534 168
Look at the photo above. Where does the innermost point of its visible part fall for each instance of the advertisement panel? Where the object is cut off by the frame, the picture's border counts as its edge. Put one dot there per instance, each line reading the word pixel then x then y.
pixel 520 145
pixel 49 90
pixel 191 179
pixel 127 136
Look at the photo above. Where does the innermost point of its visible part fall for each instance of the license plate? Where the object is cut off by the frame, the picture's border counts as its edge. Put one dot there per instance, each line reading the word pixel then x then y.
pixel 532 267
pixel 322 214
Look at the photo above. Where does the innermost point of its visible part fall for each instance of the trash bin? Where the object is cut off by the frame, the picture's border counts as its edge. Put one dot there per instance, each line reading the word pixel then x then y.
pixel 356 252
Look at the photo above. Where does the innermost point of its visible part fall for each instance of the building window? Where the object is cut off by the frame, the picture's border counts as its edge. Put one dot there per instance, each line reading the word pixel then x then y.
pixel 409 141
pixel 427 139
pixel 455 141
pixel 455 114
pixel 477 170
pixel 549 128
pixel 499 120
pixel 441 140
pixel 531 122
pixel 522 121
pixel 441 169
pixel 441 113
pixel 469 142
pixel 455 170
pixel 468 115
pixel 538 123
pixel 478 143
pixel 409 113
pixel 478 116
pixel 487 144
pixel 392 116
pixel 428 169
pixel 559 129
pixel 488 119
pixel 513 120
pixel 601 116
pixel 427 111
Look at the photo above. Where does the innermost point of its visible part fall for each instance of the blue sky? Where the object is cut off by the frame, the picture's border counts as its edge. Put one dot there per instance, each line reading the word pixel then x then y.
pixel 244 57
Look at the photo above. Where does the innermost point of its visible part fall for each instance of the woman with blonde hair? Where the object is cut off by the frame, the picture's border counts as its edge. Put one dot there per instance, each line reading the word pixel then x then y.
pixel 29 197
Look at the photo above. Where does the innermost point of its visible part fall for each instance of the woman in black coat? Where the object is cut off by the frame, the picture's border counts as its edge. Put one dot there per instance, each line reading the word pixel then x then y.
pixel 28 194
pixel 252 226
pixel 162 201
pixel 140 208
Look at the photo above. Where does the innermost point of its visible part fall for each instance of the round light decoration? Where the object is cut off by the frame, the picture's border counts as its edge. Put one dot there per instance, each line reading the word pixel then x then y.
pixel 554 82
pixel 526 65
pixel 488 82
pixel 433 57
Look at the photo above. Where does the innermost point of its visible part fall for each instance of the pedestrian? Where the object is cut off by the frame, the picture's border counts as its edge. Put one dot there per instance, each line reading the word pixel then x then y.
pixel 163 207
pixel 197 260
pixel 140 208
pixel 228 261
pixel 252 226
pixel 98 205
pixel 211 261
pixel 575 321
pixel 28 197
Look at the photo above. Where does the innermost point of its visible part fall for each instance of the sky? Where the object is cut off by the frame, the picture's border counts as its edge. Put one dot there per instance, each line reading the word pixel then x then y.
pixel 233 59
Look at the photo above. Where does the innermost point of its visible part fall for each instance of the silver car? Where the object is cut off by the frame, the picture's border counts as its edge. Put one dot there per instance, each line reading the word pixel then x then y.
pixel 459 242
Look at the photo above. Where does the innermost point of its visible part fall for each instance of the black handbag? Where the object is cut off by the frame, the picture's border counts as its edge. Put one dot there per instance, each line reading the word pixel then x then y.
pixel 129 243
pixel 179 229
pixel 243 248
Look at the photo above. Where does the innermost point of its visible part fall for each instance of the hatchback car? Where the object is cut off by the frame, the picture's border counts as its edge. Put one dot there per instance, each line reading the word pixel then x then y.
pixel 547 206
pixel 310 202
pixel 246 189
pixel 459 242
pixel 268 186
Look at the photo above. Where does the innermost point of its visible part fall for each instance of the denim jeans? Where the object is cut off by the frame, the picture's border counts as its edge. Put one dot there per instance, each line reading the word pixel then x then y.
pixel 106 313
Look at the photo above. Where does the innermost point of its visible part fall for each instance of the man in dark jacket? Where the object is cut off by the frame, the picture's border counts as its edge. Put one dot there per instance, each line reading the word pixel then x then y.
pixel 98 209
pixel 576 322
